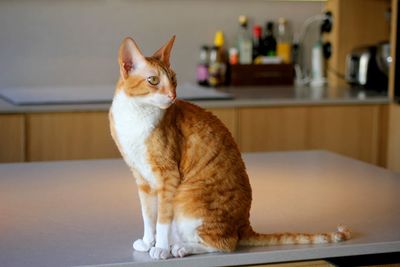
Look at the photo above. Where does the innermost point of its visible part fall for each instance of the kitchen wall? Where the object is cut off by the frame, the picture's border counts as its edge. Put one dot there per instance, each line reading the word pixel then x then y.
pixel 44 42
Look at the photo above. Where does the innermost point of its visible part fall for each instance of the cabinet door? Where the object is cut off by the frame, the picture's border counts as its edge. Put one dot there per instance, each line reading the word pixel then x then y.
pixel 355 131
pixel 348 130
pixel 12 138
pixel 393 151
pixel 272 128
pixel 64 136
pixel 394 138
pixel 228 117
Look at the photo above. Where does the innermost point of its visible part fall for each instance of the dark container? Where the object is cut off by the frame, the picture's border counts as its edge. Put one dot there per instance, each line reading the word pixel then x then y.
pixel 268 74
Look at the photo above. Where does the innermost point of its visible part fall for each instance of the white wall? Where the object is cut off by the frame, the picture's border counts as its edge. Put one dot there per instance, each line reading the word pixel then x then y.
pixel 44 42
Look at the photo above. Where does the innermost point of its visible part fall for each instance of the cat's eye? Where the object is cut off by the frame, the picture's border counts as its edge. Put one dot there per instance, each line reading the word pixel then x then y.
pixel 153 80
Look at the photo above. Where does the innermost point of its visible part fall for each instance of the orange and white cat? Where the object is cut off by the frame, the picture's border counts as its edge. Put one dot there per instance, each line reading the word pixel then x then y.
pixel 193 186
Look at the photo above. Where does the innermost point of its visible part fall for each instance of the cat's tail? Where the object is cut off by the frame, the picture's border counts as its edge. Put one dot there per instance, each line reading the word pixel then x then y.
pixel 251 238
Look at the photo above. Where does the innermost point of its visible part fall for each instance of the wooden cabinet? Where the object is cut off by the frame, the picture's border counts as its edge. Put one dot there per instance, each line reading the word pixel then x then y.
pixel 228 117
pixel 393 148
pixel 62 136
pixel 82 135
pixel 358 131
pixel 12 138
pixel 394 138
pixel 355 131
pixel 349 130
pixel 272 129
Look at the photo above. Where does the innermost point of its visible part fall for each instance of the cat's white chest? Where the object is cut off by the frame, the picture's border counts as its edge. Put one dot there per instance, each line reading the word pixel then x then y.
pixel 133 123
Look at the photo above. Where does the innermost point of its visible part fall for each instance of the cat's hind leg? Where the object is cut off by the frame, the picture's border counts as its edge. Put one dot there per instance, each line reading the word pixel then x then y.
pixel 181 250
pixel 185 238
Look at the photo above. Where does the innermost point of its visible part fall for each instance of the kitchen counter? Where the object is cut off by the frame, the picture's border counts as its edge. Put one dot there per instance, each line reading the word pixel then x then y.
pixel 242 97
pixel 75 213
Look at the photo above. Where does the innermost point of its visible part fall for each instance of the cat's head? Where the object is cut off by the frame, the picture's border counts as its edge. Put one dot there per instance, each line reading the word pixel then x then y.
pixel 149 80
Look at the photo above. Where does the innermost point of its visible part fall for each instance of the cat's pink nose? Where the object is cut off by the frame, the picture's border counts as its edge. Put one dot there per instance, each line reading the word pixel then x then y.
pixel 172 96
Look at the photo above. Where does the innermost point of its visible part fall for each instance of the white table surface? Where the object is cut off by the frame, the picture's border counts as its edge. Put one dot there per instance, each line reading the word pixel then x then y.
pixel 87 212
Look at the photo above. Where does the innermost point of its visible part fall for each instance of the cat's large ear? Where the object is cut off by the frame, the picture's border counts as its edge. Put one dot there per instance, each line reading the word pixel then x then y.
pixel 129 56
pixel 164 52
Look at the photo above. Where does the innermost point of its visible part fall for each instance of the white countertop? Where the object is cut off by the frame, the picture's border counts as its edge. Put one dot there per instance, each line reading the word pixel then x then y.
pixel 87 212
pixel 250 96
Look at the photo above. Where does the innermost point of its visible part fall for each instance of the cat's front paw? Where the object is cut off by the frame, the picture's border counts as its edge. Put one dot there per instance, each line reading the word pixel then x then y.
pixel 159 253
pixel 179 251
pixel 142 246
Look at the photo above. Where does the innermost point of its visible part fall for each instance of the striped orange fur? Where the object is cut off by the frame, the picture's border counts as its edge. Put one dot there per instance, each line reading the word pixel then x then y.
pixel 191 178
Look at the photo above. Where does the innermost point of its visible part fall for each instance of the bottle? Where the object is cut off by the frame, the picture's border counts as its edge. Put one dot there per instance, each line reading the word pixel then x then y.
pixel 219 42
pixel 244 42
pixel 214 69
pixel 257 41
pixel 317 65
pixel 202 66
pixel 269 41
pixel 284 41
pixel 233 56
